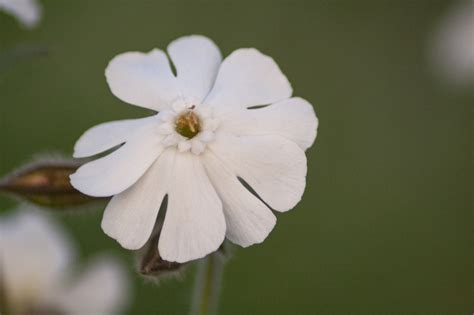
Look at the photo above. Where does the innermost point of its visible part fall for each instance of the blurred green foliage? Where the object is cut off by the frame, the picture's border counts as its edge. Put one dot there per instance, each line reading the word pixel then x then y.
pixel 385 224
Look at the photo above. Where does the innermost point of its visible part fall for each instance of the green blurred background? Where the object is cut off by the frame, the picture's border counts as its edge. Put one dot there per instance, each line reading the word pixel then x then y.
pixel 385 223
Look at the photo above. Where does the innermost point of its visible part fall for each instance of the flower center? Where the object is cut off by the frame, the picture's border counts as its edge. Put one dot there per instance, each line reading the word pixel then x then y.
pixel 188 124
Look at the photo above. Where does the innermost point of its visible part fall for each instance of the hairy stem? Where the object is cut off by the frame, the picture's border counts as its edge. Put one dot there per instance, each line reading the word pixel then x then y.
pixel 207 285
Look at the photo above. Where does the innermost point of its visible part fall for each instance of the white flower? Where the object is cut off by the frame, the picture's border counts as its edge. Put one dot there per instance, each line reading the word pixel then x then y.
pixel 202 140
pixel 35 272
pixel 28 12
pixel 453 44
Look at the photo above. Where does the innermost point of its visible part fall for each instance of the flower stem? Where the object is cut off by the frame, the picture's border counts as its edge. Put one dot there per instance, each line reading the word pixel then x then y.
pixel 208 285
pixel 3 298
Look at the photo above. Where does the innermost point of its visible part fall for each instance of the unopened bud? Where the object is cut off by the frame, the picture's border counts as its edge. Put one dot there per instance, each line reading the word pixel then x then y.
pixel 46 183
pixel 151 263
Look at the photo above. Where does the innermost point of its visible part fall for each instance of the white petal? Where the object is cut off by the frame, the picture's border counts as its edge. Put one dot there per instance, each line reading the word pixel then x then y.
pixel 197 60
pixel 171 140
pixel 248 220
pixel 197 147
pixel 453 45
pixel 143 79
pixel 28 12
pixel 101 289
pixel 108 135
pixel 167 116
pixel 130 216
pixel 194 224
pixel 206 136
pixel 249 78
pixel 293 119
pixel 120 169
pixel 273 166
pixel 35 255
pixel 184 145
pixel 166 128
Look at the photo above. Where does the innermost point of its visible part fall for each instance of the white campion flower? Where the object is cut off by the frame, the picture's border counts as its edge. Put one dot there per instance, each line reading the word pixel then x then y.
pixel 35 272
pixel 453 44
pixel 27 12
pixel 204 137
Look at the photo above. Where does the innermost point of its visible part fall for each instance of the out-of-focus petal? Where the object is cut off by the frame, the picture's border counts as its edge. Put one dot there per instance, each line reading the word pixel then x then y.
pixel 453 45
pixel 28 12
pixel 35 255
pixel 102 288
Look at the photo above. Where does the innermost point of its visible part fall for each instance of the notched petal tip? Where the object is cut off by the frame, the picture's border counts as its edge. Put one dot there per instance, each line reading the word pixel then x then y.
pixel 109 135
pixel 272 65
pixel 249 78
pixel 188 38
pixel 134 76
pixel 119 170
pixel 272 165
pixel 196 59
pixel 151 264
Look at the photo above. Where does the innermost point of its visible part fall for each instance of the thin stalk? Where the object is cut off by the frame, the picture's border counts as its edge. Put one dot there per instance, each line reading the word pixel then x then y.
pixel 3 296
pixel 21 52
pixel 207 285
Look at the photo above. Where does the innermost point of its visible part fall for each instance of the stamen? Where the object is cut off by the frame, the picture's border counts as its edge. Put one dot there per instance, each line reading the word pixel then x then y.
pixel 188 124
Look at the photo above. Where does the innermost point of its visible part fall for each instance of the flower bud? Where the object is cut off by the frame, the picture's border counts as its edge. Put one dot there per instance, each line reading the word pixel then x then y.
pixel 151 263
pixel 45 183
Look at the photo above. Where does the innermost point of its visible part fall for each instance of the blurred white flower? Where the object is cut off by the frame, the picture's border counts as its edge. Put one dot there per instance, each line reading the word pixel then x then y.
pixel 35 272
pixel 206 136
pixel 453 44
pixel 28 12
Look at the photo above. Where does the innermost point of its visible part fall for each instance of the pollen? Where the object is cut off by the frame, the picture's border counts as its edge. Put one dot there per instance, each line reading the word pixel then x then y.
pixel 188 124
